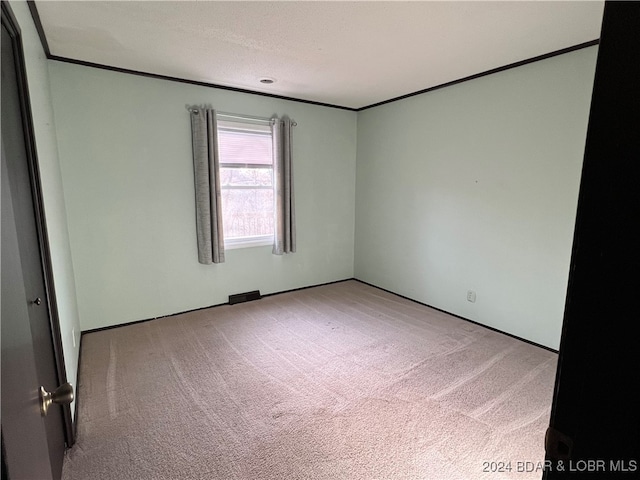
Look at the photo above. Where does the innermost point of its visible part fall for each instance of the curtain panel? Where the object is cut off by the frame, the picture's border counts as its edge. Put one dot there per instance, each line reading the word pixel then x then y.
pixel 207 186
pixel 285 219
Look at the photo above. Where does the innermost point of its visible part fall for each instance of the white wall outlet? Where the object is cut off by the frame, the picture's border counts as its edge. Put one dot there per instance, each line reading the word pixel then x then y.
pixel 73 337
pixel 471 296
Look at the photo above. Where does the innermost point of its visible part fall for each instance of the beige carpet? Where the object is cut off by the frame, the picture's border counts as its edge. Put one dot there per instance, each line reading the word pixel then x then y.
pixel 342 381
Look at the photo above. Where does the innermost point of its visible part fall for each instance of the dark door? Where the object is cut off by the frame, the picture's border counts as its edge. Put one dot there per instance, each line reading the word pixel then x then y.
pixel 24 435
pixel 24 291
pixel 595 419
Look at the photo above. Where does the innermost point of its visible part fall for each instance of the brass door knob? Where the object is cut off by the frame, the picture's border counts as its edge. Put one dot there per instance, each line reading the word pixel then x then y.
pixel 62 396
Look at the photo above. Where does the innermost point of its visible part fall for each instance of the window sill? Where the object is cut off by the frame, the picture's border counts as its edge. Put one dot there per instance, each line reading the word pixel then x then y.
pixel 248 242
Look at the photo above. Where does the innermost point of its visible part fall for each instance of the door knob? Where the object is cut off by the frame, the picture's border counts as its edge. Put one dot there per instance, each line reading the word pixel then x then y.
pixel 38 301
pixel 62 396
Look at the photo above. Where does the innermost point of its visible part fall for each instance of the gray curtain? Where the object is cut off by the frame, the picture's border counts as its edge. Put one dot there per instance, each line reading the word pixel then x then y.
pixel 207 186
pixel 285 221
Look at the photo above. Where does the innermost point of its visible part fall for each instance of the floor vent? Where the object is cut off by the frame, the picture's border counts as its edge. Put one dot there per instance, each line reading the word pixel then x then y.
pixel 244 297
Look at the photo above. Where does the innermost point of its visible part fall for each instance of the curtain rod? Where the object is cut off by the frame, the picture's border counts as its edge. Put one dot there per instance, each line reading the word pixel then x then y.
pixel 240 116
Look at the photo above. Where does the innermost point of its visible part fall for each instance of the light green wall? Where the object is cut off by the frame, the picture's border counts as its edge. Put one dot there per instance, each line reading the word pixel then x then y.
pixel 125 149
pixel 52 189
pixel 474 187
pixel 470 187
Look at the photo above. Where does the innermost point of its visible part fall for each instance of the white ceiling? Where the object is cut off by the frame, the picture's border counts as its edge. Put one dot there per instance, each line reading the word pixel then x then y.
pixel 351 54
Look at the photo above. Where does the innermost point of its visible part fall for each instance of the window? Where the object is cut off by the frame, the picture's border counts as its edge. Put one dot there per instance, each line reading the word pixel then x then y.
pixel 246 182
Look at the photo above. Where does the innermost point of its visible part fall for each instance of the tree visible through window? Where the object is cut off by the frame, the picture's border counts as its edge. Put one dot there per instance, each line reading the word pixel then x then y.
pixel 246 182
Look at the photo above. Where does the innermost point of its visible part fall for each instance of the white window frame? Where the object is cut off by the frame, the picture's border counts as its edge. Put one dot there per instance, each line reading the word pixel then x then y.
pixel 240 124
pixel 247 242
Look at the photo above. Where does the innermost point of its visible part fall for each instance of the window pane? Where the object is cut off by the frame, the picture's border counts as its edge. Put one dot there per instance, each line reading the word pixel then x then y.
pixel 246 177
pixel 243 147
pixel 247 192
pixel 247 212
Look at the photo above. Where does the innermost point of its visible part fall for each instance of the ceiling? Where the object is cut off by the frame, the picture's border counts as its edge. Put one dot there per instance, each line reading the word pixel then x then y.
pixel 350 54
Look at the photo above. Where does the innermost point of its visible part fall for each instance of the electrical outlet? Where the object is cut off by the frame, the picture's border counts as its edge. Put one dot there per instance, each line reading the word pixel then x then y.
pixel 471 296
pixel 73 336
